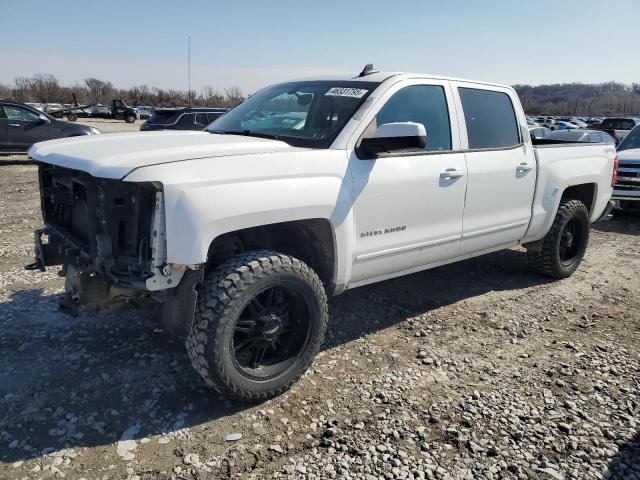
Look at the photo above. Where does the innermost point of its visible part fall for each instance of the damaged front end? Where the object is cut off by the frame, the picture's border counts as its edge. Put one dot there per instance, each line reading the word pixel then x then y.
pixel 109 237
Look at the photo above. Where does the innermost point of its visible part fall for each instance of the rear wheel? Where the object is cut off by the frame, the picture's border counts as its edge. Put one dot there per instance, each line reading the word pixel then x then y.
pixel 259 322
pixel 72 117
pixel 565 244
pixel 130 118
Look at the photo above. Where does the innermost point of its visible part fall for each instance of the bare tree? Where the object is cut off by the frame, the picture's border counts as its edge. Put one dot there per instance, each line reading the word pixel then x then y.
pixel 98 90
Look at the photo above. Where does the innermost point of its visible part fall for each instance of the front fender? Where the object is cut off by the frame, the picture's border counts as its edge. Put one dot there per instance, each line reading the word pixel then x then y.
pixel 205 198
pixel 196 216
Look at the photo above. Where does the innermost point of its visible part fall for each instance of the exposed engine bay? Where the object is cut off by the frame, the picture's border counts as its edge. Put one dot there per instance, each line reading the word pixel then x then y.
pixel 107 234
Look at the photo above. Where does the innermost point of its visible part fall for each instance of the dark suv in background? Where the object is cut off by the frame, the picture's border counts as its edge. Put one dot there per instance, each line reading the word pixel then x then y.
pixel 617 127
pixel 21 126
pixel 182 118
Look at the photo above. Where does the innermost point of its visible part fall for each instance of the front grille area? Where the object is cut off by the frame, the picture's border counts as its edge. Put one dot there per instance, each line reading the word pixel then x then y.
pixel 628 182
pixel 99 223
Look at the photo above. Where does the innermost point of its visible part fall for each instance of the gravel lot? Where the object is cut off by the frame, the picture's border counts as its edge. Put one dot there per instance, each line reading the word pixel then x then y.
pixel 474 370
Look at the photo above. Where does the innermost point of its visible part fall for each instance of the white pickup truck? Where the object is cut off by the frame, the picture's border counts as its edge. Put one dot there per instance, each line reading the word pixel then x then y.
pixel 306 189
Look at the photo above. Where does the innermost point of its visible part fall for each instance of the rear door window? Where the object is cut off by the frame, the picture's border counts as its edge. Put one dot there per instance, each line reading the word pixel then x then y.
pixel 490 119
pixel 201 118
pixel 187 120
pixel 625 124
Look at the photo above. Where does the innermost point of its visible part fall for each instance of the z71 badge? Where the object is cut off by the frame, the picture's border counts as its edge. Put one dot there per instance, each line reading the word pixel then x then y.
pixel 382 231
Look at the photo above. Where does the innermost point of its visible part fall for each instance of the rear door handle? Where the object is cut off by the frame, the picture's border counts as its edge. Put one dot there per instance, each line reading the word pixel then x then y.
pixel 14 124
pixel 525 167
pixel 450 173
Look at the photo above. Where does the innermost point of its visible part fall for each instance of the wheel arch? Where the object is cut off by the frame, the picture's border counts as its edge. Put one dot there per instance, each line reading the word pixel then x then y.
pixel 585 192
pixel 311 240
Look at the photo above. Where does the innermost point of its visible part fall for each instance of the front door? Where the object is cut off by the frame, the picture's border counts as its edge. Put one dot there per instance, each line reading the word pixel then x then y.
pixel 501 169
pixel 25 127
pixel 408 205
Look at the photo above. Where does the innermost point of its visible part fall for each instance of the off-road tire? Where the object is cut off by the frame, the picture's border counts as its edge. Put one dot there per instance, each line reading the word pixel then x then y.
pixel 547 261
pixel 130 118
pixel 220 302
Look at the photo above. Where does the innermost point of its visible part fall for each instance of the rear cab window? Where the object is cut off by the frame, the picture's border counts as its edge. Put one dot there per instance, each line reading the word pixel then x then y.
pixel 490 119
pixel 164 118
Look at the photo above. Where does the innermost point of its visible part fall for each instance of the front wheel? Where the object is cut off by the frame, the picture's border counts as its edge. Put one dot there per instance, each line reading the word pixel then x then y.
pixel 565 244
pixel 130 118
pixel 259 322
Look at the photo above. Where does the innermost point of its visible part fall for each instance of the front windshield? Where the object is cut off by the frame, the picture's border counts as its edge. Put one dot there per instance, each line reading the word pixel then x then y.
pixel 632 140
pixel 305 114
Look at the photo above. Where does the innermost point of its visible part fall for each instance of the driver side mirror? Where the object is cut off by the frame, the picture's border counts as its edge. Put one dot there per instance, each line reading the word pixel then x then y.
pixel 394 136
pixel 43 118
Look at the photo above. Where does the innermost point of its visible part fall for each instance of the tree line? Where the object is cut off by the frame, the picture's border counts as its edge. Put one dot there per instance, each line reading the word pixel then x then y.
pixel 46 88
pixel 581 99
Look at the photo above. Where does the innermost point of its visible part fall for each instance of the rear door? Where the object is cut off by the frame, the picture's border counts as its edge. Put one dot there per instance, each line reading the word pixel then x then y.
pixel 25 127
pixel 501 167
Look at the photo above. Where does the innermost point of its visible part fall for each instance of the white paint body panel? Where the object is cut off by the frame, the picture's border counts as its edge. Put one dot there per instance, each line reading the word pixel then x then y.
pixel 215 184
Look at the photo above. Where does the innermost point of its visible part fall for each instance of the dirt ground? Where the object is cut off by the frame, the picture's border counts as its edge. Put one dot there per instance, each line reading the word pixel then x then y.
pixel 475 370
pixel 111 126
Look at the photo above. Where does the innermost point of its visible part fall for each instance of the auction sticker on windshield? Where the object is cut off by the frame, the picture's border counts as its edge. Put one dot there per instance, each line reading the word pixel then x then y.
pixel 346 92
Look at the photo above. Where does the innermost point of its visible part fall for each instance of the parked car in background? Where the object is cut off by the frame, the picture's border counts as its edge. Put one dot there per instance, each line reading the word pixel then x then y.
pixel 626 190
pixel 562 125
pixel 539 133
pixel 182 118
pixel 581 135
pixel 37 106
pixel 52 106
pixel 574 121
pixel 144 112
pixel 22 125
pixel 617 127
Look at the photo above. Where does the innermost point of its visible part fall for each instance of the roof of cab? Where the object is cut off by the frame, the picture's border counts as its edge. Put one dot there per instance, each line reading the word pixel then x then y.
pixel 380 77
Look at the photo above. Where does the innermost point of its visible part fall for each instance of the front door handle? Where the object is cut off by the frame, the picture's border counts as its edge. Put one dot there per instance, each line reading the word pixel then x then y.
pixel 14 124
pixel 525 167
pixel 450 173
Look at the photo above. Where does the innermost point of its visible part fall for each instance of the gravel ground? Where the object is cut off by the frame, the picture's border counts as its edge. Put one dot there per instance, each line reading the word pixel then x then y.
pixel 112 126
pixel 474 370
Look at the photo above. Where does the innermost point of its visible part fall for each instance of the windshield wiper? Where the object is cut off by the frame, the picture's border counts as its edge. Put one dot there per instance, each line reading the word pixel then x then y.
pixel 246 133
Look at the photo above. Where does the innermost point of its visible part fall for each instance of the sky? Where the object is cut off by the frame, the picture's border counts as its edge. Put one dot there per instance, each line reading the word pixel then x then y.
pixel 251 44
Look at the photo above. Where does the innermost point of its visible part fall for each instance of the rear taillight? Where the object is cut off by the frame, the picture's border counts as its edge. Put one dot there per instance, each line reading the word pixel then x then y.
pixel 614 174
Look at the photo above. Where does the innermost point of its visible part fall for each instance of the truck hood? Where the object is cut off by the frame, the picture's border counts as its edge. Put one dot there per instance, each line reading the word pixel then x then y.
pixel 116 155
pixel 630 154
